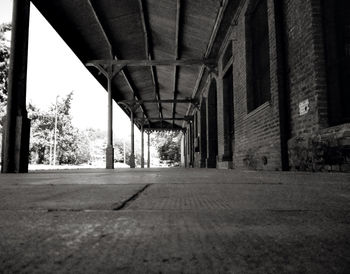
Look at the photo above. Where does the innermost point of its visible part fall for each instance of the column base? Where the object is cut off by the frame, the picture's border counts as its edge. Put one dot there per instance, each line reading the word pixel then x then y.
pixel 225 162
pixel 109 157
pixel 203 163
pixel 18 161
pixel 132 161
pixel 225 165
pixel 211 162
pixel 227 157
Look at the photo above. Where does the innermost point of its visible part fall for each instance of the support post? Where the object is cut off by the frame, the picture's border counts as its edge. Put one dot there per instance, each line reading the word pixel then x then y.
pixel 132 155
pixel 185 149
pixel 109 72
pixel 148 150
pixel 55 136
pixel 16 136
pixel 191 145
pixel 110 149
pixel 124 152
pixel 142 147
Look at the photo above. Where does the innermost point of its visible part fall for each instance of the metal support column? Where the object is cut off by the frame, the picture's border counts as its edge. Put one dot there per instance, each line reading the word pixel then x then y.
pixel 142 147
pixel 132 155
pixel 148 150
pixel 15 151
pixel 192 143
pixel 110 148
pixel 132 108
pixel 109 72
pixel 185 149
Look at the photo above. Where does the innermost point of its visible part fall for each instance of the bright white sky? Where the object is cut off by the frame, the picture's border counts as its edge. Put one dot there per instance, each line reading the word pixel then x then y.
pixel 53 70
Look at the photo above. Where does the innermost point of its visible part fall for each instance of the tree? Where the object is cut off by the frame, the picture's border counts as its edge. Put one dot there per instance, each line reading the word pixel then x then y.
pixel 4 68
pixel 96 140
pixel 72 145
pixel 168 145
pixel 42 128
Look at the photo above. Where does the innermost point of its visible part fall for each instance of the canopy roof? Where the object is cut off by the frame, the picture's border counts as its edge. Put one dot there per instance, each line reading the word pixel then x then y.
pixel 146 30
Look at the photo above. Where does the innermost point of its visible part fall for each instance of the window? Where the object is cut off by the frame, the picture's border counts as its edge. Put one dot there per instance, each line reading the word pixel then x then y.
pixel 337 40
pixel 228 114
pixel 258 56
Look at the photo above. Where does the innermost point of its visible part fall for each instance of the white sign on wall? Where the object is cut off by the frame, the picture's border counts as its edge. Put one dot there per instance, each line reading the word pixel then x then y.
pixel 304 107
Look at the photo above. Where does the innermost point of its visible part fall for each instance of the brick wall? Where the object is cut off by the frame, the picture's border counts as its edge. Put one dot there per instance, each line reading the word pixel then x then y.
pixel 306 64
pixel 312 145
pixel 256 139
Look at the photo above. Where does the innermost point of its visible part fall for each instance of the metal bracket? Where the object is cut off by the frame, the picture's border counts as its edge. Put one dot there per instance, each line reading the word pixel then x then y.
pixel 213 70
pixel 142 121
pixel 196 104
pixel 109 71
pixel 131 106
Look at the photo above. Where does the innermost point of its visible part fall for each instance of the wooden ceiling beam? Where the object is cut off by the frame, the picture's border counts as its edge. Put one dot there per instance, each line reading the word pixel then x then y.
pixel 170 101
pixel 184 118
pixel 163 129
pixel 146 63
pixel 176 69
pixel 113 56
pixel 149 51
pixel 101 27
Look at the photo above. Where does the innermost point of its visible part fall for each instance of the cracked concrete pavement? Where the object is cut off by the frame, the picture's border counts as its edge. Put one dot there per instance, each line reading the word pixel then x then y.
pixel 174 221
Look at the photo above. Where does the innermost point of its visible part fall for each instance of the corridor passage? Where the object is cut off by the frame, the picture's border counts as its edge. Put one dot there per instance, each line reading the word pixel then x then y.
pixel 174 221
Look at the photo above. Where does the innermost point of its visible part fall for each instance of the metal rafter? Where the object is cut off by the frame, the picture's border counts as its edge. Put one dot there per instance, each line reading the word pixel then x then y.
pixel 176 70
pixel 114 56
pixel 149 51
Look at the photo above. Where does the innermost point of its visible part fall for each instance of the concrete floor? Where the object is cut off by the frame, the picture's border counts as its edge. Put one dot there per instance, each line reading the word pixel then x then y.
pixel 174 221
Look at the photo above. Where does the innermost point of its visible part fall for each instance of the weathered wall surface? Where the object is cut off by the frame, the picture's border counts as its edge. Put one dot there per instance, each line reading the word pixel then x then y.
pixel 257 144
pixel 312 145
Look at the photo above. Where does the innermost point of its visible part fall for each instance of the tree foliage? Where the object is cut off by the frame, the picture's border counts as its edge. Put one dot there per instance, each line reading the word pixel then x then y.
pixel 168 145
pixel 72 145
pixel 4 68
pixel 4 60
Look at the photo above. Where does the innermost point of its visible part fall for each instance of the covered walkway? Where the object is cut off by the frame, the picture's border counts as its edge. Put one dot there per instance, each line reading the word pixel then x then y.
pixel 167 221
